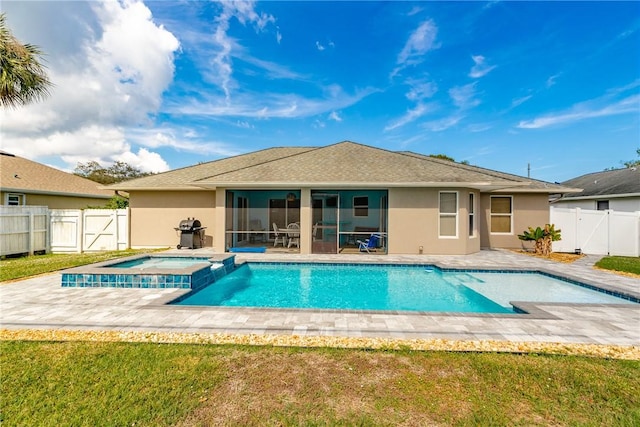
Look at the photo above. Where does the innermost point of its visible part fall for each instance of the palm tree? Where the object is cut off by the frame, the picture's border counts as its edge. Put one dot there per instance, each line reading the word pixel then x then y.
pixel 22 78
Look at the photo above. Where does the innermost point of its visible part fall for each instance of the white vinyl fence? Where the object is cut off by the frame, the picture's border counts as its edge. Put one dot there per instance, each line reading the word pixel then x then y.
pixel 29 229
pixel 597 232
pixel 23 229
pixel 89 230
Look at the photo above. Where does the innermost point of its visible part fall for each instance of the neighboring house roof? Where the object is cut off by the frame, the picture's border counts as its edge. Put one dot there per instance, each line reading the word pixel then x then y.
pixel 345 164
pixel 610 183
pixel 21 175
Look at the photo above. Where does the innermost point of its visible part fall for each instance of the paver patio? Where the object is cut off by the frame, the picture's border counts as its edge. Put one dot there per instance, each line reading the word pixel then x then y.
pixel 41 303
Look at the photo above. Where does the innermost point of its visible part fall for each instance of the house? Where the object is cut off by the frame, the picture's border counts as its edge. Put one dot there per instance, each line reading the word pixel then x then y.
pixel 25 182
pixel 617 189
pixel 339 194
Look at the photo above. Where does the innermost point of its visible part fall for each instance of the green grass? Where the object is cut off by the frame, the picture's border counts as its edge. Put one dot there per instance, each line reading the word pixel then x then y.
pixel 620 263
pixel 145 384
pixel 18 268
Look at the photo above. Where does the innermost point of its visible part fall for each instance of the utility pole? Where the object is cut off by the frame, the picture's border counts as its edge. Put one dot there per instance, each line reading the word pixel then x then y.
pixel 528 170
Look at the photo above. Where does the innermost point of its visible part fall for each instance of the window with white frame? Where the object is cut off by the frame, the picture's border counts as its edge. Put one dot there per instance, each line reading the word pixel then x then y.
pixel 472 215
pixel 602 205
pixel 14 199
pixel 501 214
pixel 448 214
pixel 361 206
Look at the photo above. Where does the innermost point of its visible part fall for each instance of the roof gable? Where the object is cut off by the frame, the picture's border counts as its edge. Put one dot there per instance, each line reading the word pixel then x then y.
pixel 18 174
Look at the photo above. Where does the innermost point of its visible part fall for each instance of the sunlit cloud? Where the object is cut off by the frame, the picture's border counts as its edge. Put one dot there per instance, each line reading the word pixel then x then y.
pixel 410 116
pixel 520 101
pixel 335 116
pixel 584 111
pixel 464 97
pixel 442 124
pixel 420 41
pixel 122 64
pixel 480 67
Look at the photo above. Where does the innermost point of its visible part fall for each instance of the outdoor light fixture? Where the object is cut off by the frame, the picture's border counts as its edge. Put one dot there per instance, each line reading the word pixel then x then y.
pixel 291 197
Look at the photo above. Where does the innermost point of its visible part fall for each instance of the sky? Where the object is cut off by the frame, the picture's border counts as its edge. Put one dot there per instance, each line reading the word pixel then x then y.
pixel 549 89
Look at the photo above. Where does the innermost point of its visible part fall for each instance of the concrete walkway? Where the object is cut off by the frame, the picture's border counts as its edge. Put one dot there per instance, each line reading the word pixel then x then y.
pixel 42 303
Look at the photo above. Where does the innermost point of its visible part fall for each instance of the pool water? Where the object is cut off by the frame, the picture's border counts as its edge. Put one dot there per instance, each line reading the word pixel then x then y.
pixel 374 287
pixel 160 262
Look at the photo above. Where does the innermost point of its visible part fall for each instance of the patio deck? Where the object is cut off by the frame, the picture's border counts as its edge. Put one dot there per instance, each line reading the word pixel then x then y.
pixel 41 303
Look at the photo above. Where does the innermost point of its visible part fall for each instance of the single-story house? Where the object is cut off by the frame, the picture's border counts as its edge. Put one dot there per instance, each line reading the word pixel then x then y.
pixel 338 195
pixel 25 182
pixel 617 189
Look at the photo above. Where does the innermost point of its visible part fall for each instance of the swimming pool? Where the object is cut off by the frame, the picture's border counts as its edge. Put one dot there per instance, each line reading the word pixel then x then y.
pixel 386 287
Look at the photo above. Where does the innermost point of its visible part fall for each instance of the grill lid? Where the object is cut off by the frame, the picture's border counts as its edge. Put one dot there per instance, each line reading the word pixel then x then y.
pixel 189 224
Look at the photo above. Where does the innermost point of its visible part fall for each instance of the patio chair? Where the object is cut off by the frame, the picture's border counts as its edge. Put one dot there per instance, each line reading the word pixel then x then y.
pixel 256 225
pixel 294 234
pixel 280 237
pixel 370 244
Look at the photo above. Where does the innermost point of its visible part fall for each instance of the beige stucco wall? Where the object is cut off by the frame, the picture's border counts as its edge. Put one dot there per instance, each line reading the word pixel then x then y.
pixel 58 202
pixel 155 214
pixel 529 210
pixel 414 219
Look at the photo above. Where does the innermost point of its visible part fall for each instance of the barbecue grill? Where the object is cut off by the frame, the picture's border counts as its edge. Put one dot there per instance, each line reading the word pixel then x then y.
pixel 191 233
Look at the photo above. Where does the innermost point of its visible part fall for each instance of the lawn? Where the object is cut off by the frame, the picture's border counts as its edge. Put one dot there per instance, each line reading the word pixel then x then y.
pixel 18 268
pixel 621 264
pixel 147 384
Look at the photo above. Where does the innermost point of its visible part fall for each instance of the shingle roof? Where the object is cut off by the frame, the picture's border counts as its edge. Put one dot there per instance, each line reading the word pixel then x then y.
pixel 342 164
pixel 183 178
pixel 18 174
pixel 608 183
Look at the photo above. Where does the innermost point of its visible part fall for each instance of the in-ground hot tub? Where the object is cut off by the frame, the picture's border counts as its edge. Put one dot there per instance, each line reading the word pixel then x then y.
pixel 151 271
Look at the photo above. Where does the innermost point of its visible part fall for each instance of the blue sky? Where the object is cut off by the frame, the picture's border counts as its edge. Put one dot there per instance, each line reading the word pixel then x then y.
pixel 167 84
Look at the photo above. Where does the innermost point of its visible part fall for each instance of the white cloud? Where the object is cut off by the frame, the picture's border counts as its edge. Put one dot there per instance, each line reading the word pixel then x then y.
pixel 335 116
pixel 464 97
pixel 442 124
pixel 420 90
pixel 582 111
pixel 422 40
pixel 521 100
pixel 410 116
pixel 121 64
pixel 319 46
pixel 144 160
pixel 278 35
pixel 480 68
pixel 272 105
pixel 551 80
pixel 244 12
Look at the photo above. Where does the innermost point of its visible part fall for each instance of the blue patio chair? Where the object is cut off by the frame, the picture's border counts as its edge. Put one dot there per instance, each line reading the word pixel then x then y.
pixel 369 244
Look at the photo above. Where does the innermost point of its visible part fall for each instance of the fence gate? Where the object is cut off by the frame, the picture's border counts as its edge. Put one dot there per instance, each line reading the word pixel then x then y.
pixel 597 232
pixel 75 230
pixel 66 230
pixel 104 229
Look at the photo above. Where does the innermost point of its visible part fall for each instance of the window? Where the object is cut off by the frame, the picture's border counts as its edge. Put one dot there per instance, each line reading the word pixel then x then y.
pixel 602 205
pixel 15 199
pixel 448 214
pixel 501 214
pixel 361 206
pixel 472 215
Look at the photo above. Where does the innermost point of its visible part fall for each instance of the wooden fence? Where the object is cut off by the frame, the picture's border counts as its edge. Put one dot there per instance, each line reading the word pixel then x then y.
pixel 29 229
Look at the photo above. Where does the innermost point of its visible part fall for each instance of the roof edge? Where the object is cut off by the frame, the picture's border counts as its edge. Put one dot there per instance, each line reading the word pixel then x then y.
pixel 56 193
